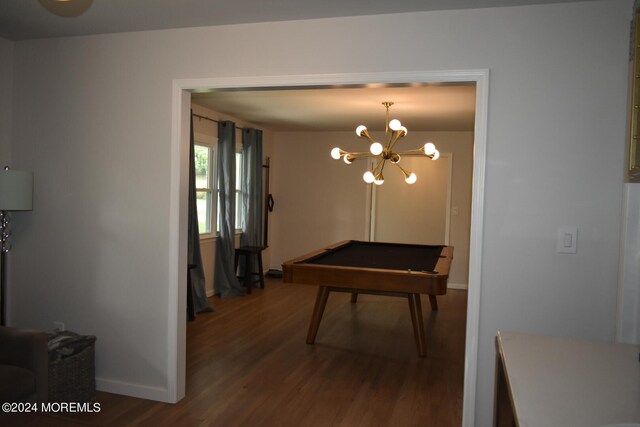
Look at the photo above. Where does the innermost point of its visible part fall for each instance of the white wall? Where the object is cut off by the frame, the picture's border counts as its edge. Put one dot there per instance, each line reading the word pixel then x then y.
pixel 6 99
pixel 93 120
pixel 320 201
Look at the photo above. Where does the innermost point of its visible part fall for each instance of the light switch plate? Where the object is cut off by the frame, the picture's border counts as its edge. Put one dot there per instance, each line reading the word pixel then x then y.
pixel 567 240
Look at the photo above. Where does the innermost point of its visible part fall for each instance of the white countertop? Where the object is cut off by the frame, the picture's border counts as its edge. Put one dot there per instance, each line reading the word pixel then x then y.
pixel 556 382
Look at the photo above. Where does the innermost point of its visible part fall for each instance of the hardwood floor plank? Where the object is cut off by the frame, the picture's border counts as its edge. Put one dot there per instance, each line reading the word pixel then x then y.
pixel 248 365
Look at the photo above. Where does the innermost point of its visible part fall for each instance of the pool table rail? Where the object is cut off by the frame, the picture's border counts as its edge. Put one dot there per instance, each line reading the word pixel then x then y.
pixel 376 279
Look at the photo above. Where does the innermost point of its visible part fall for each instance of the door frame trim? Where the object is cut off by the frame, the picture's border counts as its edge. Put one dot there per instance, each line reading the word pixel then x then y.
pixel 177 264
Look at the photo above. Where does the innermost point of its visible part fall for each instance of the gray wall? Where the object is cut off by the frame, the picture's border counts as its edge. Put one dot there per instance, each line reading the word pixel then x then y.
pixel 92 119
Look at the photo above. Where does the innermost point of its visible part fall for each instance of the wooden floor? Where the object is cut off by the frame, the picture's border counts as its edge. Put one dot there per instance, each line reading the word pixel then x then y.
pixel 248 365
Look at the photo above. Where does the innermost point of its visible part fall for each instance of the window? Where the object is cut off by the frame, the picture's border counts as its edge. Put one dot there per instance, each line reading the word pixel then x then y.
pixel 206 187
pixel 204 156
pixel 239 216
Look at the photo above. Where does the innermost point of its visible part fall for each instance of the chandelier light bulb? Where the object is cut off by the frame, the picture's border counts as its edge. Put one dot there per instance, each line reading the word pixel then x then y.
pixel 395 158
pixel 379 179
pixel 395 124
pixel 347 160
pixel 436 155
pixel 429 148
pixel 336 153
pixel 411 178
pixel 368 177
pixel 403 131
pixel 376 148
pixel 360 130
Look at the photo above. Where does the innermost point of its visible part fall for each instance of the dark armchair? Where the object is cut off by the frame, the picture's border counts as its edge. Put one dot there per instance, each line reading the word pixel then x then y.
pixel 24 365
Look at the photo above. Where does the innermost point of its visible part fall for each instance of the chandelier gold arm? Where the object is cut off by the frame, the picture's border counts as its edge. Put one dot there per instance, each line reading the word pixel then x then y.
pixel 361 155
pixel 416 152
pixel 395 136
pixel 409 177
pixel 365 134
pixel 406 174
pixel 380 166
pixel 351 157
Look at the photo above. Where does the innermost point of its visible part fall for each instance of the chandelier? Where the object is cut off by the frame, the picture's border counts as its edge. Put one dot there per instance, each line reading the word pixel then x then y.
pixel 393 132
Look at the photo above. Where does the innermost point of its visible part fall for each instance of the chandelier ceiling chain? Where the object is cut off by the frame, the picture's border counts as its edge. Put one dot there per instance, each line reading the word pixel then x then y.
pixel 394 131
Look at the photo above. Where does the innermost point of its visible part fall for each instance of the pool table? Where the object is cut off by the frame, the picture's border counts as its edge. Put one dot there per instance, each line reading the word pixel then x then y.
pixel 392 269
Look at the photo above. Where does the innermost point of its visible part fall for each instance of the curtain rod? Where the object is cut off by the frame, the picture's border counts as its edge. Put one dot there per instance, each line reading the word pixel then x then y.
pixel 267 166
pixel 210 119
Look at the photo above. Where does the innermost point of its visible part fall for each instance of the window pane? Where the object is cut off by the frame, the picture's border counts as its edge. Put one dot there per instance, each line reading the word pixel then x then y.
pixel 238 172
pixel 238 199
pixel 203 203
pixel 238 210
pixel 239 178
pixel 202 154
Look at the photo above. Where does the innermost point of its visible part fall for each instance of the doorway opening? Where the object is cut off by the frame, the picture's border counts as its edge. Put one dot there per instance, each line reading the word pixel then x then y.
pixel 182 100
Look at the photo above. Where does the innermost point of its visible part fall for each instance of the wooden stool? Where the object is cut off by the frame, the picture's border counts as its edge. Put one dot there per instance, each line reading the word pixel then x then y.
pixel 246 277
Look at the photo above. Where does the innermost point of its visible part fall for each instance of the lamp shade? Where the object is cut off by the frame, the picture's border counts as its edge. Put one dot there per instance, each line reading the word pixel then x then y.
pixel 16 190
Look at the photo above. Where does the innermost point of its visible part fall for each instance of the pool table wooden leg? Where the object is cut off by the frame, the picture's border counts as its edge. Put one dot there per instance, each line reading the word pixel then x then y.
pixel 415 307
pixel 354 297
pixel 434 302
pixel 318 311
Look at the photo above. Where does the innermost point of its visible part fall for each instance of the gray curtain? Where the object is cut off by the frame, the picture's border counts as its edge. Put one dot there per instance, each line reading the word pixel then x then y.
pixel 252 202
pixel 199 293
pixel 225 281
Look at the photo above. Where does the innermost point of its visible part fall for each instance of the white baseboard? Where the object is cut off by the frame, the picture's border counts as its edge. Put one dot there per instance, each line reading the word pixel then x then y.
pixel 462 286
pixel 134 390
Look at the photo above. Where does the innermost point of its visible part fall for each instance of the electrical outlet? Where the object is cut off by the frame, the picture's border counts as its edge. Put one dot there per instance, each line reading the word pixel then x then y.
pixel 58 326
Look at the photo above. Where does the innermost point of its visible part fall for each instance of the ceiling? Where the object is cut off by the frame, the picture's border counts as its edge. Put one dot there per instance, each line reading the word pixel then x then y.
pixel 27 19
pixel 418 107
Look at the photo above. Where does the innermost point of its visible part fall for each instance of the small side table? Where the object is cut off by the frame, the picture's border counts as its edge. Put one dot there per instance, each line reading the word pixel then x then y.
pixel 247 274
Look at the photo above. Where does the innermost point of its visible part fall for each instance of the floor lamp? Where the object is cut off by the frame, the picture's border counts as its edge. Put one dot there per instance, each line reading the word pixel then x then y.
pixel 16 194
